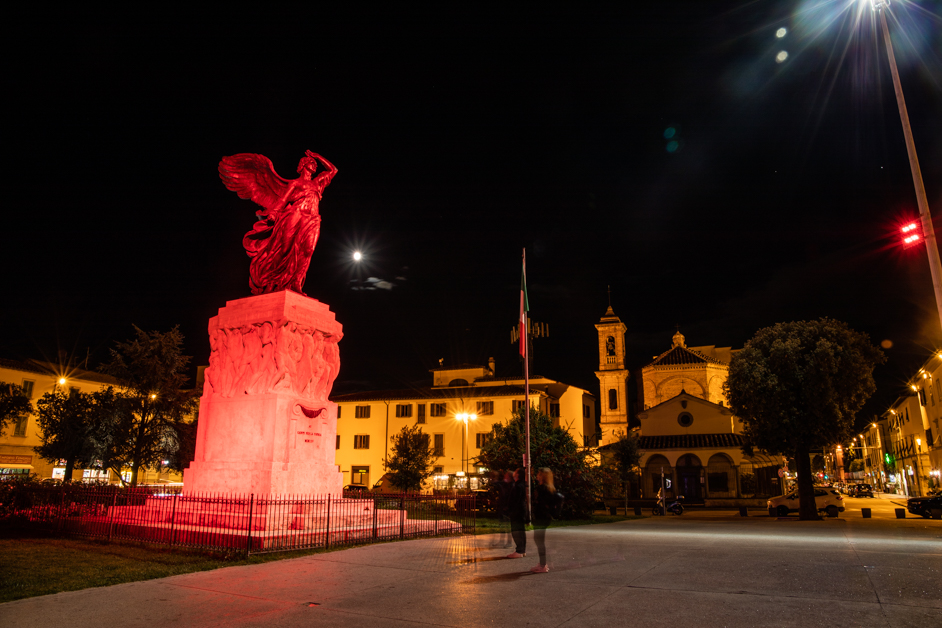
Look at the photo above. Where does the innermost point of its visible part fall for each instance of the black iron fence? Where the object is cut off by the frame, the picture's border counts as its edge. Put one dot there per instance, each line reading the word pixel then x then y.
pixel 250 523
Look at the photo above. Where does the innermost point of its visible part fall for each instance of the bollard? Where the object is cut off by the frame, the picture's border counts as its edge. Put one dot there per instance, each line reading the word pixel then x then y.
pixel 865 512
pixel 612 510
pixel 936 513
pixel 743 512
pixel 637 511
pixel 900 513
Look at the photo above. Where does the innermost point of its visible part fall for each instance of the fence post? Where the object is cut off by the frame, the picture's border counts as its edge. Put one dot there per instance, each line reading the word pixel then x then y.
pixel 474 513
pixel 375 515
pixel 173 519
pixel 248 538
pixel 114 501
pixel 402 516
pixel 327 536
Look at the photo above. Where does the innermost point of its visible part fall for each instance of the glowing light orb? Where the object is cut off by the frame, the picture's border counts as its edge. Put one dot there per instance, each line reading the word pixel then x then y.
pixel 669 132
pixel 357 256
pixel 887 344
pixel 781 56
pixel 672 146
pixel 62 381
pixel 781 33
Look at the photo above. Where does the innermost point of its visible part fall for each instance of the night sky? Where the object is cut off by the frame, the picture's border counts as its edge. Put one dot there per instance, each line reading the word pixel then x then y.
pixel 663 152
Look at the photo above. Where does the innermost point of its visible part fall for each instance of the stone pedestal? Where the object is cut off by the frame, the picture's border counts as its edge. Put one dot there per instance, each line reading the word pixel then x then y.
pixel 265 424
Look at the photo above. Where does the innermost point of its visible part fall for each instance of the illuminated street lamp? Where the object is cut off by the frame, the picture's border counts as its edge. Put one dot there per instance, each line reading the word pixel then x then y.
pixel 464 417
pixel 928 233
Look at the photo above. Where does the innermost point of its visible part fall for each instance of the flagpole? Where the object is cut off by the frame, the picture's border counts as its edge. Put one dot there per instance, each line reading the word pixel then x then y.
pixel 526 377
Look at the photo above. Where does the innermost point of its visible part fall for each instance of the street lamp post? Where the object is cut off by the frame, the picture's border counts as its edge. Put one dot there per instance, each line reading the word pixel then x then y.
pixel 935 265
pixel 464 417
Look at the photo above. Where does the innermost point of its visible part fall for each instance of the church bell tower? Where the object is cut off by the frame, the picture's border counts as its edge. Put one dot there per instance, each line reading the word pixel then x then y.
pixel 612 376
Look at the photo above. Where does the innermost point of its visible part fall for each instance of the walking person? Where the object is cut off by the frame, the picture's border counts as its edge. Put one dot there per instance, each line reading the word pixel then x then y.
pixel 517 511
pixel 545 507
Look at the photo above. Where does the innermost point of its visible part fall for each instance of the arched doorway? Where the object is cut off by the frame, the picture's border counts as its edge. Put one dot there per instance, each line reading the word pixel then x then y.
pixel 652 476
pixel 721 476
pixel 689 477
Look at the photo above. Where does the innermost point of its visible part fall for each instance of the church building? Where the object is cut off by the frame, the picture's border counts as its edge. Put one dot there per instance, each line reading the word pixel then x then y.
pixel 688 434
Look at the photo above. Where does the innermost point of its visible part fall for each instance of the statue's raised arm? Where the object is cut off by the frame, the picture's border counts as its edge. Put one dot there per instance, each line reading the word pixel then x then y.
pixel 283 239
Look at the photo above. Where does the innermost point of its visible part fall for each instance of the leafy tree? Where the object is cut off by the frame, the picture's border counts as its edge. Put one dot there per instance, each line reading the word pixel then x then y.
pixel 857 466
pixel 552 447
pixel 77 427
pixel 14 405
pixel 797 386
pixel 626 457
pixel 411 461
pixel 150 371
pixel 817 463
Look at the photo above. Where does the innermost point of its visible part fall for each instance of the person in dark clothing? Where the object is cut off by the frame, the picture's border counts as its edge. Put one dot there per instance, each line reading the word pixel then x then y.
pixel 544 505
pixel 504 486
pixel 517 511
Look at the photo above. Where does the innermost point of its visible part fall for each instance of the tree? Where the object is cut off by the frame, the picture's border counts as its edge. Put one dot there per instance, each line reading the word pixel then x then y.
pixel 550 446
pixel 626 456
pixel 856 466
pixel 411 461
pixel 797 386
pixel 77 427
pixel 14 405
pixel 150 371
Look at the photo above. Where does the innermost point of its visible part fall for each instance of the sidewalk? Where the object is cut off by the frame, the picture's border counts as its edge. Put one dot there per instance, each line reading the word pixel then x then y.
pixel 754 571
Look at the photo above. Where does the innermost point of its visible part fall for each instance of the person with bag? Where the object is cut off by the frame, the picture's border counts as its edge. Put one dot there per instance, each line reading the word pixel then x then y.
pixel 517 511
pixel 547 506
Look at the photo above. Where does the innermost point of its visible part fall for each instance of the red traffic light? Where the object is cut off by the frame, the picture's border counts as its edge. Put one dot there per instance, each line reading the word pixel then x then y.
pixel 911 233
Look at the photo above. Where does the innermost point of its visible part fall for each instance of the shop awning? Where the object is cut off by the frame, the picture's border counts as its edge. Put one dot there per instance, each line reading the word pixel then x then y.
pixel 15 466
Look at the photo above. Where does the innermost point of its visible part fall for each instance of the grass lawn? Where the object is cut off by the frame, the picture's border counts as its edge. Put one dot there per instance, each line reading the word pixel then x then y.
pixel 32 564
pixel 36 564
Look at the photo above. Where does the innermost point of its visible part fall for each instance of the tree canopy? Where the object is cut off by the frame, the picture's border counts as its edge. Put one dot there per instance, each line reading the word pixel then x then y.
pixel 14 405
pixel 411 461
pixel 550 446
pixel 625 456
pixel 151 373
pixel 798 386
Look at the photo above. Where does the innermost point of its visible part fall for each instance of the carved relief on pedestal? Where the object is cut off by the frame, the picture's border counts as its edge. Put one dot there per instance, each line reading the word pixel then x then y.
pixel 264 357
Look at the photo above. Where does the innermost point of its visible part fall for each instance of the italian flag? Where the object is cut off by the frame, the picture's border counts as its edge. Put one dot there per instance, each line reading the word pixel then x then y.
pixel 524 307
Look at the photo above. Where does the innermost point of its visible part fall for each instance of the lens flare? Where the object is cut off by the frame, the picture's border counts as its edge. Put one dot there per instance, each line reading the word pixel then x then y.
pixel 781 33
pixel 781 56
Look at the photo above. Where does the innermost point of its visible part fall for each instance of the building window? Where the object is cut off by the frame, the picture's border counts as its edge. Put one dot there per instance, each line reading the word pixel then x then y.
pixel 612 399
pixel 922 396
pixel 481 439
pixel 339 408
pixel 420 413
pixel 438 409
pixel 362 412
pixel 518 404
pixel 28 388
pixel 20 428
pixel 439 448
pixel 360 475
pixel 485 408
pixel 554 410
pixel 438 470
pixel 338 442
pixel 361 441
pixel 685 419
pixel 585 411
pixel 403 410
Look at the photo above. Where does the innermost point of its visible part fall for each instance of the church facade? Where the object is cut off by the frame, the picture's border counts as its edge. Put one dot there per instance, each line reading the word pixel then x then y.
pixel 691 441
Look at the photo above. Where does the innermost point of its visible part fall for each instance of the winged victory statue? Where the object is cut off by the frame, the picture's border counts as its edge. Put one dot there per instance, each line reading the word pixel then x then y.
pixel 289 223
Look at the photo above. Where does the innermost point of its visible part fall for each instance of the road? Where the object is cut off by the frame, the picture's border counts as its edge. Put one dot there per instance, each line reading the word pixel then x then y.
pixel 706 569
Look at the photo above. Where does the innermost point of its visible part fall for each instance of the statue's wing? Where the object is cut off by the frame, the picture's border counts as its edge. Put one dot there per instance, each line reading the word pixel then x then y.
pixel 253 177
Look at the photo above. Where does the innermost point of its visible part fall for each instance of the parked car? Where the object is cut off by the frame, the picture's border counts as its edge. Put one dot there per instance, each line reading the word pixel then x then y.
pixel 356 488
pixel 863 490
pixel 827 499
pixel 923 506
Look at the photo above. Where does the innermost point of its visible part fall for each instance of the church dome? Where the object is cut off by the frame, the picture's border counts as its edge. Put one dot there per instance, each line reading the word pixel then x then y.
pixel 679 340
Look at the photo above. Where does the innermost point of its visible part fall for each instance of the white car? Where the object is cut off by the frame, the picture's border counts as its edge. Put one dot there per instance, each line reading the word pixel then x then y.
pixel 827 499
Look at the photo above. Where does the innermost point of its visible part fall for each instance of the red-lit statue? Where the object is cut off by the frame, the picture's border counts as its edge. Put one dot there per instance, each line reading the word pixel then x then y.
pixel 282 241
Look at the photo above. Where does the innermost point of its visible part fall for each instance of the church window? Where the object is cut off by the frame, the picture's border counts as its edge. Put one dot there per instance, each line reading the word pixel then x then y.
pixel 612 399
pixel 685 419
pixel 610 345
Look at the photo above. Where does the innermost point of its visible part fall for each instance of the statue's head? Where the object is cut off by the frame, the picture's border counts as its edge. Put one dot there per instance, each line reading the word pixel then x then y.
pixel 308 163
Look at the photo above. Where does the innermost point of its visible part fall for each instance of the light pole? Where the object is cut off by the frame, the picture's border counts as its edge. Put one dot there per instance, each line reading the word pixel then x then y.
pixel 935 266
pixel 464 417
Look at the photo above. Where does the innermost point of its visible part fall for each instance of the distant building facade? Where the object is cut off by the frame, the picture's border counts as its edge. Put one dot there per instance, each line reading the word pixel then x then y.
pixel 367 421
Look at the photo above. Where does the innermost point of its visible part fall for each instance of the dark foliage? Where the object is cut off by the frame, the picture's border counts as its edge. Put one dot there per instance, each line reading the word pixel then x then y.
pixel 410 462
pixel 797 386
pixel 553 447
pixel 14 405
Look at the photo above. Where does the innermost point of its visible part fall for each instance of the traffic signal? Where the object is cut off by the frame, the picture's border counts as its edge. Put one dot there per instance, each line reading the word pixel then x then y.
pixel 911 233
pixel 888 458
